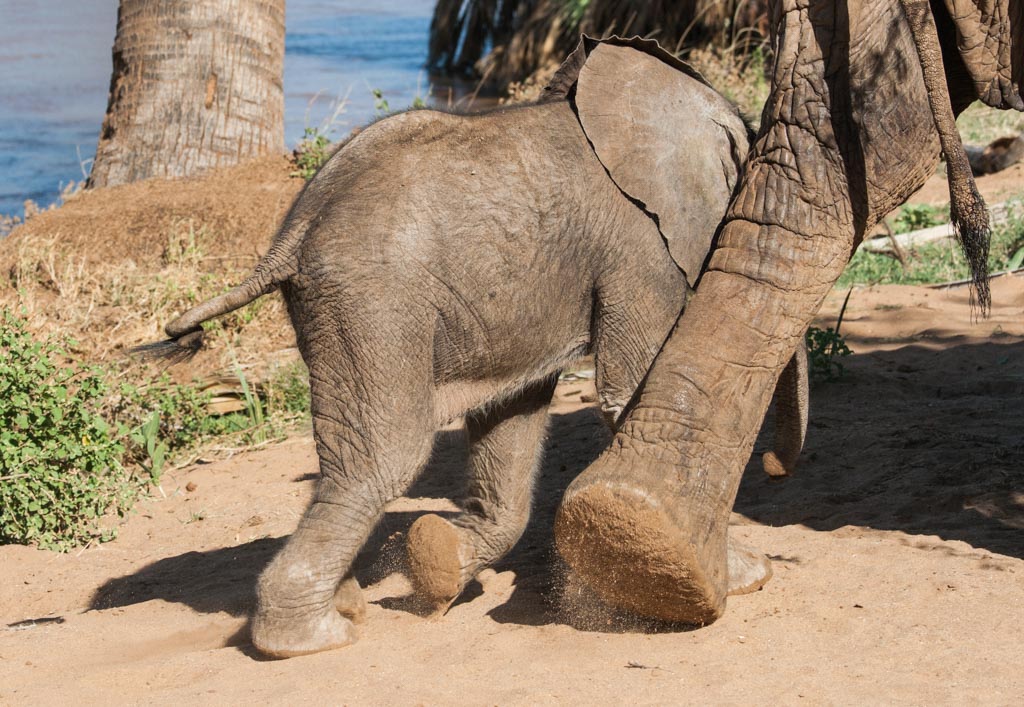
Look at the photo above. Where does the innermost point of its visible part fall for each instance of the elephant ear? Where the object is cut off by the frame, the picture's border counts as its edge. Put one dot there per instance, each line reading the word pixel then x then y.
pixel 669 141
pixel 564 80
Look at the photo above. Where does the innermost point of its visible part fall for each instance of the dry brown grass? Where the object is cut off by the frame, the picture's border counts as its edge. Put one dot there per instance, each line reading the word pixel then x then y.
pixel 112 266
pixel 739 77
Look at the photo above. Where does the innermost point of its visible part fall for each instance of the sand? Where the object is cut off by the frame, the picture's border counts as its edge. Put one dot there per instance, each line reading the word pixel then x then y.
pixel 898 553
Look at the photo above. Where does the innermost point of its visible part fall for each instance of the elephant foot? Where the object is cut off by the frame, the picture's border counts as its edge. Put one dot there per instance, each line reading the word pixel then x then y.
pixel 624 544
pixel 290 621
pixel 749 570
pixel 349 601
pixel 438 558
pixel 290 636
pixel 775 467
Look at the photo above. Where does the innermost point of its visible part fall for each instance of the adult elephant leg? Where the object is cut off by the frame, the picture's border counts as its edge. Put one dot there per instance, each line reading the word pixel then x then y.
pixel 645 531
pixel 371 444
pixel 646 524
pixel 506 442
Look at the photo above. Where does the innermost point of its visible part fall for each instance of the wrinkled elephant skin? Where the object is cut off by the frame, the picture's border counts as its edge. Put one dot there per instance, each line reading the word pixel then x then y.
pixel 847 134
pixel 442 265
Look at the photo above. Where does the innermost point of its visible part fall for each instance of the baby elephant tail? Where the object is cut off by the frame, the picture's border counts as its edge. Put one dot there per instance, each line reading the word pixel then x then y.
pixel 279 263
pixel 186 332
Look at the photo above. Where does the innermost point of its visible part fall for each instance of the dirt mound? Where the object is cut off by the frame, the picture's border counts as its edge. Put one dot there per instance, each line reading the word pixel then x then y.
pixel 112 266
pixel 242 205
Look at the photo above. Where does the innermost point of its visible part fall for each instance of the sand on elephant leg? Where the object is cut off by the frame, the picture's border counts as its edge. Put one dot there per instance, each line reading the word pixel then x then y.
pixel 642 564
pixel 435 563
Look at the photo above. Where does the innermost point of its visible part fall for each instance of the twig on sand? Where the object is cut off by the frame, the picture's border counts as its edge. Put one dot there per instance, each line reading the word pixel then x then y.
pixel 640 666
pixel 964 283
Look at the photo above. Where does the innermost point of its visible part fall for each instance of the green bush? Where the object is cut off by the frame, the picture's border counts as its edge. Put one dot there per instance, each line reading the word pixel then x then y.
pixel 935 262
pixel 824 349
pixel 311 153
pixel 164 419
pixel 826 346
pixel 288 390
pixel 60 461
pixel 914 217
pixel 180 412
pixel 73 451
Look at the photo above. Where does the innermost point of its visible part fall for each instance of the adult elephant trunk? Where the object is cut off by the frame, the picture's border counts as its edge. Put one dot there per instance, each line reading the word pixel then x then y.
pixel 646 524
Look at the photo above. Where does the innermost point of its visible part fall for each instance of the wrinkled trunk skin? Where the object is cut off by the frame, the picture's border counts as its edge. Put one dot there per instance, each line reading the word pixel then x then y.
pixel 846 136
pixel 195 85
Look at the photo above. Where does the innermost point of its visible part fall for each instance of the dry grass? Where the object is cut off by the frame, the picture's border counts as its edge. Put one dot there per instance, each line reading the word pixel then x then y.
pixel 739 77
pixel 112 266
pixel 108 309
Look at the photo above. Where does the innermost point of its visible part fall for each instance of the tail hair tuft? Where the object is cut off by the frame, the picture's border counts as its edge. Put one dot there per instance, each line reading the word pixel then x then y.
pixel 173 351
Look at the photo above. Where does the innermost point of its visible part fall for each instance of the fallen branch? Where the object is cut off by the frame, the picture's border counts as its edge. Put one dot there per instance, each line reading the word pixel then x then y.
pixel 999 213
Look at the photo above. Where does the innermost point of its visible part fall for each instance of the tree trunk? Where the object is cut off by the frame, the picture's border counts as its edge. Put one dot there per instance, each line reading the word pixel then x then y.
pixel 196 84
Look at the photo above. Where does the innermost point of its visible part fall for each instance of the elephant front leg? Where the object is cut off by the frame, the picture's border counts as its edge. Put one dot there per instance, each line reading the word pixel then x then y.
pixel 506 442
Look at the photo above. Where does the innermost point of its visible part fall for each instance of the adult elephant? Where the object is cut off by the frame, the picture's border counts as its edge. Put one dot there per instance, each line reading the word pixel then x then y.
pixel 862 93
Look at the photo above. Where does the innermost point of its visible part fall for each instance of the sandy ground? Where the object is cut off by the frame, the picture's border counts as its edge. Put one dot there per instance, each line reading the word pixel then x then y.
pixel 898 555
pixel 994 187
pixel 898 549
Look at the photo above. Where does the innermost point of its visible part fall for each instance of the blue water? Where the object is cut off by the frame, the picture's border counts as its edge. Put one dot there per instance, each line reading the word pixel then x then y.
pixel 55 71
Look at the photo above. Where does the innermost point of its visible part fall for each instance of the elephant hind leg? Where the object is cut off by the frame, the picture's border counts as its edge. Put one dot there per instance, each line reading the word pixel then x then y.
pixel 372 444
pixel 505 446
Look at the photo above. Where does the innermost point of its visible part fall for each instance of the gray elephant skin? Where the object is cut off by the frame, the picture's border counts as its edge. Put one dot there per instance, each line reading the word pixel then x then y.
pixel 441 265
pixel 863 100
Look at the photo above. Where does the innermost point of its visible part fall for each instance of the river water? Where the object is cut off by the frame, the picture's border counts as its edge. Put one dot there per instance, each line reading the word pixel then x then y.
pixel 55 70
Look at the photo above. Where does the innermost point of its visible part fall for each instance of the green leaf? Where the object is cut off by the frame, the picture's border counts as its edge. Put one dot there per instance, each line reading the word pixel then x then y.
pixel 1016 260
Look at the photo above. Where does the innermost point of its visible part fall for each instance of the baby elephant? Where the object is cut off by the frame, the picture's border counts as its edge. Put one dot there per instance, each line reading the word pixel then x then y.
pixel 444 265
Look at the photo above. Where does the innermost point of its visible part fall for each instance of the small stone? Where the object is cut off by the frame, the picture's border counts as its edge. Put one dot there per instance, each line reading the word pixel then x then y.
pixel 191 486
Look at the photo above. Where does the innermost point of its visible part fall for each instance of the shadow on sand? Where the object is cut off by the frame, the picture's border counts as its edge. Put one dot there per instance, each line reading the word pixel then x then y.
pixel 923 441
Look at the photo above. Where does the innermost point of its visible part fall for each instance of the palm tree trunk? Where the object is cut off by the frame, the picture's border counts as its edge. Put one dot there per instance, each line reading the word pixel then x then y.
pixel 195 85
